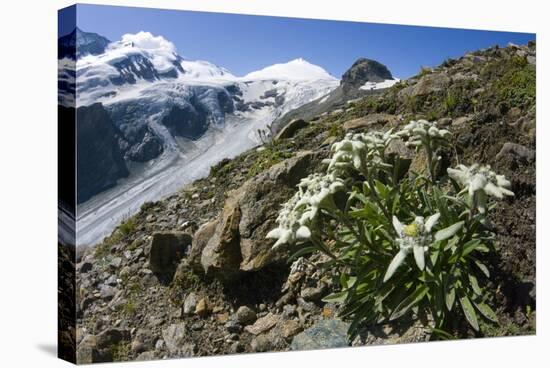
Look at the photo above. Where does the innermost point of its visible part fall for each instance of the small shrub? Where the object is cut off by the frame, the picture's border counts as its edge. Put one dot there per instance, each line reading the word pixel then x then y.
pixel 127 227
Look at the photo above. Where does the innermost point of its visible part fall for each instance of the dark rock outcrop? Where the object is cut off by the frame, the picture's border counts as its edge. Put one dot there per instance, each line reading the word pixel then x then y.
pixel 167 249
pixel 362 71
pixel 100 161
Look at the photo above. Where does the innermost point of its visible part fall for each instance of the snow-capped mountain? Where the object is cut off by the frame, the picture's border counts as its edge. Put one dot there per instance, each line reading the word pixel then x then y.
pixel 168 114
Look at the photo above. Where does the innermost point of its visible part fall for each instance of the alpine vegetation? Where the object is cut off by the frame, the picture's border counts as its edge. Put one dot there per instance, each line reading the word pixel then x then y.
pixel 402 243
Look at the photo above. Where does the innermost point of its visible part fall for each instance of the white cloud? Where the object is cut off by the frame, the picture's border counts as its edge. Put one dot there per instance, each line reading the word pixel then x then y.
pixel 146 41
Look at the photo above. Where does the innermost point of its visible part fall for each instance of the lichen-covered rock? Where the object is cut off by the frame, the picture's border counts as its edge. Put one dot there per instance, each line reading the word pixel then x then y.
pixel 328 333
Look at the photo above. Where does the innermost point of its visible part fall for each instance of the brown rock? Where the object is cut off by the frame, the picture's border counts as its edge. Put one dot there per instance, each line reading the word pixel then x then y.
pixel 235 242
pixel 291 328
pixel 202 308
pixel 263 324
pixel 221 256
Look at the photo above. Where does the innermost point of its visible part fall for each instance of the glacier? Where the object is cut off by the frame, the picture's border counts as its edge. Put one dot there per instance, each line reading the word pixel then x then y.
pixel 141 80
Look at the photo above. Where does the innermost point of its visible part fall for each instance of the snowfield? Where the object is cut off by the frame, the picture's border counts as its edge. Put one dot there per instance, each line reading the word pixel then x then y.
pixel 372 86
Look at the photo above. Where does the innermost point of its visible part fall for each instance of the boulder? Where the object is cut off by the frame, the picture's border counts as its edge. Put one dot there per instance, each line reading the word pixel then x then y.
pixel 263 324
pixel 289 130
pixel 516 152
pixel 369 120
pixel 235 242
pixel 174 337
pixel 222 255
pixel 245 315
pixel 433 82
pixel 98 348
pixel 167 249
pixel 328 333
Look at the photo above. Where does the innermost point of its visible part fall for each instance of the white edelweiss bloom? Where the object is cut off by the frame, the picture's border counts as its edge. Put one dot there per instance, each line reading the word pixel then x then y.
pixel 348 151
pixel 481 181
pixel 414 237
pixel 314 192
pixel 420 130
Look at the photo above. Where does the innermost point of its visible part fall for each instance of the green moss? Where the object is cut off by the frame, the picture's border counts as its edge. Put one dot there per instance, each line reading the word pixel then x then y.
pixel 267 158
pixel 518 84
pixel 336 130
pixel 120 351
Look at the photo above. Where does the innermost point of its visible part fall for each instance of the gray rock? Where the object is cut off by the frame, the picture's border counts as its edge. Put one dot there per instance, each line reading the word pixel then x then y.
pixel 116 262
pixel 107 292
pixel 174 336
pixel 312 294
pixel 146 355
pixel 433 82
pixel 517 152
pixel 112 336
pixel 291 128
pixel 190 303
pixel 329 333
pixel 261 343
pixel 233 326
pixel 245 315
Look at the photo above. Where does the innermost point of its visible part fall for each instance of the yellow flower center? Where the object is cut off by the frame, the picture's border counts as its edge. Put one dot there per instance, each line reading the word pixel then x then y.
pixel 411 230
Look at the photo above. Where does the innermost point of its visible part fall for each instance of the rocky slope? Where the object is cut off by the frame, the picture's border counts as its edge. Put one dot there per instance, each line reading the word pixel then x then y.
pixel 193 274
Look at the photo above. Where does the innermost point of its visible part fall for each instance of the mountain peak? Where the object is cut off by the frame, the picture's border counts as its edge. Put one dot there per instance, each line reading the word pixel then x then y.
pixel 296 69
pixel 365 70
pixel 80 43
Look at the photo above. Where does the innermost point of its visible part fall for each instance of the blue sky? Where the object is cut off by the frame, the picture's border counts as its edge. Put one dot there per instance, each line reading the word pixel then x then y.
pixel 243 43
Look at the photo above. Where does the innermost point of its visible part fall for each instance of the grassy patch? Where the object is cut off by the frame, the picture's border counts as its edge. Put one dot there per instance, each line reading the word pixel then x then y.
pixel 120 351
pixel 267 158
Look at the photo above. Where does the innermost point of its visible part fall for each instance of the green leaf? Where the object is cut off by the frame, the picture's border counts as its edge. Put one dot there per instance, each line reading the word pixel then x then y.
pixel 409 302
pixel 475 284
pixel 448 231
pixel 486 311
pixel 469 312
pixel 336 297
pixel 483 268
pixel 450 298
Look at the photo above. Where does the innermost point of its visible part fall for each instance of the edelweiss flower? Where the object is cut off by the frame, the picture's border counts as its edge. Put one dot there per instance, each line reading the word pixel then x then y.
pixel 314 192
pixel 349 151
pixel 355 150
pixel 420 130
pixel 415 237
pixel 480 182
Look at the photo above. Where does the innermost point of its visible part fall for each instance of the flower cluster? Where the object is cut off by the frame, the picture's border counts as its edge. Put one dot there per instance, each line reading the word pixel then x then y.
pixel 481 181
pixel 314 192
pixel 414 237
pixel 356 150
pixel 421 130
